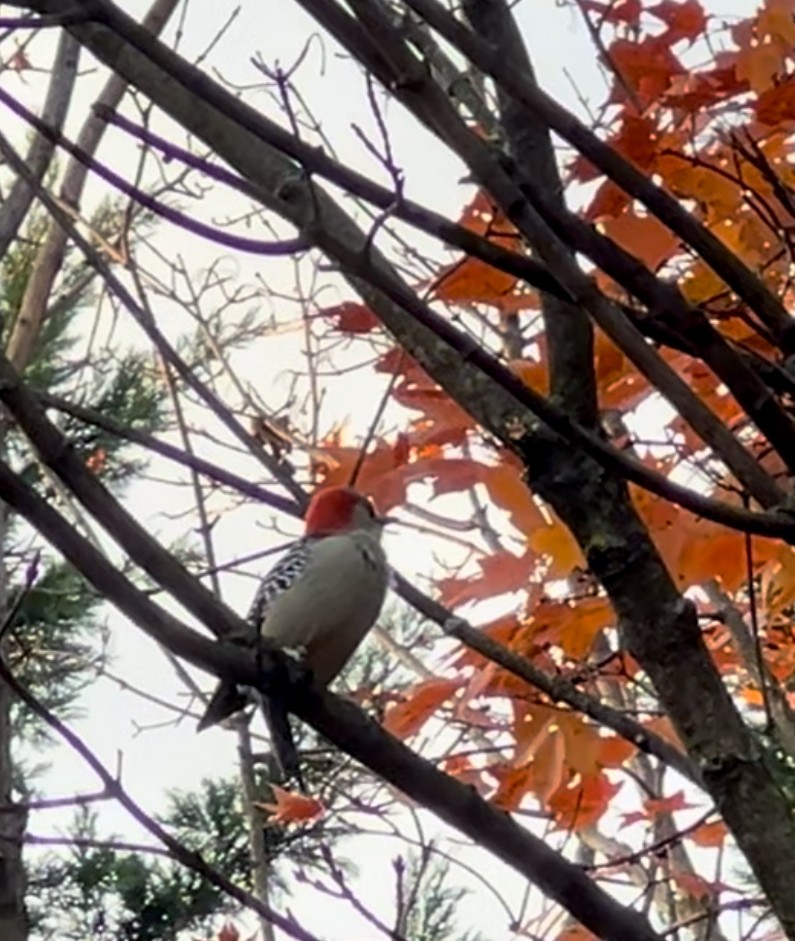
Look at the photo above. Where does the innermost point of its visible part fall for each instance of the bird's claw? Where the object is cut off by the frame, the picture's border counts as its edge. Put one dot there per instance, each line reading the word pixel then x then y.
pixel 295 665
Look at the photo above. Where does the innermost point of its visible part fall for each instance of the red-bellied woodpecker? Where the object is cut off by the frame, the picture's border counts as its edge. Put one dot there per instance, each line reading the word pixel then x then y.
pixel 321 599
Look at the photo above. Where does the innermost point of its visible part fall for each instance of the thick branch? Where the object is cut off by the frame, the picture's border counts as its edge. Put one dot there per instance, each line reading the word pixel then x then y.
pixel 49 258
pixel 59 95
pixel 14 210
pixel 567 328
pixel 344 724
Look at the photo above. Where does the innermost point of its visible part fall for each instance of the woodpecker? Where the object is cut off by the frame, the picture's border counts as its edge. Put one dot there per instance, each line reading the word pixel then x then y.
pixel 320 600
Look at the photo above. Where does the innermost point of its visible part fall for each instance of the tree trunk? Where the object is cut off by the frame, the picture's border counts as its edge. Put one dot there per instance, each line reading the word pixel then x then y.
pixel 13 918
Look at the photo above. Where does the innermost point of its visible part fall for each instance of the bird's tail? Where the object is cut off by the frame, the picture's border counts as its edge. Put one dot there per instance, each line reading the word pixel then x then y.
pixel 229 699
pixel 225 701
pixel 284 748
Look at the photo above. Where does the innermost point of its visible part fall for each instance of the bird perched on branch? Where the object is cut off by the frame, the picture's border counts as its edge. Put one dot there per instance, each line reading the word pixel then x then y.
pixel 320 600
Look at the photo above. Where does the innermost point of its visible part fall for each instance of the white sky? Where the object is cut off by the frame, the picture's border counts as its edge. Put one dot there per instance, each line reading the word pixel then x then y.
pixel 277 30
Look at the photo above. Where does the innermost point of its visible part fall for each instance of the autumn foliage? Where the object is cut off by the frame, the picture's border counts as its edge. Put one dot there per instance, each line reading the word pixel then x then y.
pixel 715 131
pixel 582 398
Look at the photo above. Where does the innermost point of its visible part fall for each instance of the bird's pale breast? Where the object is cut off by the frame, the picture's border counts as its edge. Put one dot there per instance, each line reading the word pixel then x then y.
pixel 332 605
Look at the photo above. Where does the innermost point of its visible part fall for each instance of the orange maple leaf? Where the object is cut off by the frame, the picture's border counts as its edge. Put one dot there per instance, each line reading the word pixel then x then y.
pixel 515 783
pixel 777 104
pixel 472 281
pixel 500 573
pixel 509 491
pixel 557 542
pixel 290 807
pixel 572 627
pixel 576 933
pixel 460 767
pixel 381 474
pixel 576 805
pixel 625 11
pixel 695 886
pixel 649 239
pixel 685 20
pixel 408 717
pixel 648 66
pixel 710 834
pixel 654 807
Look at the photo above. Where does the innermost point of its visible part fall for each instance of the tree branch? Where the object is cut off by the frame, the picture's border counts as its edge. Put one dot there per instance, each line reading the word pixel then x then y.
pixel 176 850
pixel 381 50
pixel 281 189
pixel 343 723
pixel 682 223
pixel 659 628
pixel 557 688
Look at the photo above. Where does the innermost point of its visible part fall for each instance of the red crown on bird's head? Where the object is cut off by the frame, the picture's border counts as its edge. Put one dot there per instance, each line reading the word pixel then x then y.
pixel 333 509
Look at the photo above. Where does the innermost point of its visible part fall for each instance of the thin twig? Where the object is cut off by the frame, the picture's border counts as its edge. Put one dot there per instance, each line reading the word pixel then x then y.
pixel 181 853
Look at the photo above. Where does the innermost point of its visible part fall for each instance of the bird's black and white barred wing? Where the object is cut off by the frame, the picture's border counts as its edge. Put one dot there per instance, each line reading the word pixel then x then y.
pixel 281 577
pixel 229 698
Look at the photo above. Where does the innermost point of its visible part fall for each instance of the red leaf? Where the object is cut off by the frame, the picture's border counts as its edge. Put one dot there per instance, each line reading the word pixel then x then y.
pixel 443 421
pixel 351 317
pixel 472 281
pixel 500 573
pixel 576 933
pixel 97 460
pixel 451 475
pixel 514 784
pixel 710 834
pixel 648 66
pixel 19 61
pixel 637 140
pixel 610 200
pixel 576 807
pixel 696 886
pixel 777 104
pixel 684 20
pixel 693 92
pixel 383 474
pixel 637 816
pixel 407 718
pixel 666 805
pixel 461 767
pixel 647 238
